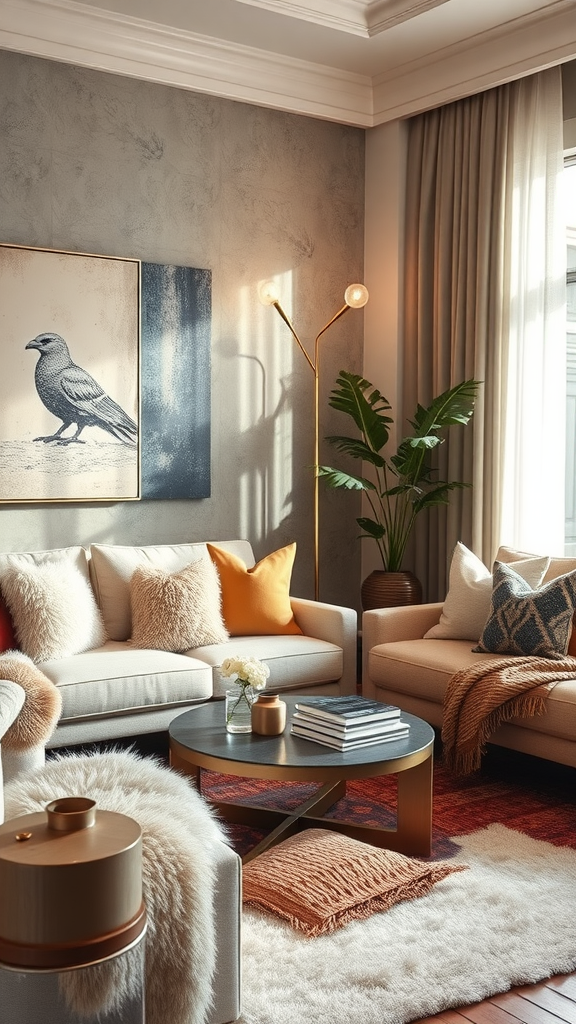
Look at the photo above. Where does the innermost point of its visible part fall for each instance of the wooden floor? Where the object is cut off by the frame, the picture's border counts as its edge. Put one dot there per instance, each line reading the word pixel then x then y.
pixel 549 1002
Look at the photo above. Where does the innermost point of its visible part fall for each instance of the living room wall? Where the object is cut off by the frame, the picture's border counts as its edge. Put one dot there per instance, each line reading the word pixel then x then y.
pixel 98 163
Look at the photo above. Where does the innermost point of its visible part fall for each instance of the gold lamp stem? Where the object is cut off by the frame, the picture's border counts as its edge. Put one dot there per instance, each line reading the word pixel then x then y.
pixel 357 300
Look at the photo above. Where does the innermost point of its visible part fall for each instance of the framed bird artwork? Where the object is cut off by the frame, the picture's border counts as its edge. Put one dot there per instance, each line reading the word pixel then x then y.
pixel 105 391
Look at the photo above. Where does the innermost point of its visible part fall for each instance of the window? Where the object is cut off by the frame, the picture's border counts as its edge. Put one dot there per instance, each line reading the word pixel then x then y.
pixel 570 194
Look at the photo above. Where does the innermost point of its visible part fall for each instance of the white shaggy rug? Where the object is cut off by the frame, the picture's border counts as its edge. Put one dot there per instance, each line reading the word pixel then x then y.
pixel 509 920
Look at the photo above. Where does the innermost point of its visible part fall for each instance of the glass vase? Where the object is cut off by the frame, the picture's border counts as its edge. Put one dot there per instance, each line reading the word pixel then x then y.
pixel 239 703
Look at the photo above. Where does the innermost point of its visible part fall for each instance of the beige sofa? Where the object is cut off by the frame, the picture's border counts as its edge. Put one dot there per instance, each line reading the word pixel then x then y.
pixel 117 690
pixel 402 667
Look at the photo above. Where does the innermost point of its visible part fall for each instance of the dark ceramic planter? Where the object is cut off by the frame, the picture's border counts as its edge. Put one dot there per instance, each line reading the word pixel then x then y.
pixel 383 589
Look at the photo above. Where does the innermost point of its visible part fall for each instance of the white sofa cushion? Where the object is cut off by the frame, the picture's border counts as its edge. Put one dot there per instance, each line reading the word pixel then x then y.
pixel 117 678
pixel 290 658
pixel 467 604
pixel 112 566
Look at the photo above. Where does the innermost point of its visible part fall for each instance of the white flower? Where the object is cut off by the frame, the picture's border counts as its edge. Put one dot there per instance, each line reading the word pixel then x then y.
pixel 246 671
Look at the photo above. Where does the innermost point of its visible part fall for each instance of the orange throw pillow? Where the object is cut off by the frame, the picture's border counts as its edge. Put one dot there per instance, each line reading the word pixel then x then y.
pixel 256 601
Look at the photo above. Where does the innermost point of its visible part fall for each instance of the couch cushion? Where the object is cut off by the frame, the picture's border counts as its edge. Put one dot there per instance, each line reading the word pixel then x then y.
pixel 256 599
pixel 422 668
pixel 467 604
pixel 557 567
pixel 290 658
pixel 112 566
pixel 116 678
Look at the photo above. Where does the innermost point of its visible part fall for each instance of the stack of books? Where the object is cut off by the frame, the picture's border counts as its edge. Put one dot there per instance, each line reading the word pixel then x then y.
pixel 345 723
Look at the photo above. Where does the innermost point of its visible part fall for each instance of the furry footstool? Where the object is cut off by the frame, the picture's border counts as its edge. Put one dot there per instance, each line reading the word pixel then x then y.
pixel 179 832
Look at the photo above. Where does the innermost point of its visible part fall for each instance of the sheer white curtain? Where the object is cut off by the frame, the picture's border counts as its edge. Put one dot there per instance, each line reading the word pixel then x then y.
pixel 534 318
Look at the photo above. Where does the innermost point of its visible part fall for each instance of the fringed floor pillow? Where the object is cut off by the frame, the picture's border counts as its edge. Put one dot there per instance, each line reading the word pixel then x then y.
pixel 320 880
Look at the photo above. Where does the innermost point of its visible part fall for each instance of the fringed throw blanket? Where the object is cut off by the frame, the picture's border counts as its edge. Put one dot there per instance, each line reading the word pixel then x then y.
pixel 480 698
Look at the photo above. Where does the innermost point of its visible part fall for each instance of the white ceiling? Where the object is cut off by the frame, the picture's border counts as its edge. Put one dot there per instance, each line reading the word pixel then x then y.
pixel 362 62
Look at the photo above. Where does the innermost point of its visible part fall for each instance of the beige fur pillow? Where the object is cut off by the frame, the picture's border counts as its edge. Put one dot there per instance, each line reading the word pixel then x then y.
pixel 42 706
pixel 176 611
pixel 53 609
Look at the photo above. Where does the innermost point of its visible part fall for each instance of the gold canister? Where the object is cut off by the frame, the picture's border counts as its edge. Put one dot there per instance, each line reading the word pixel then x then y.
pixel 268 715
pixel 70 885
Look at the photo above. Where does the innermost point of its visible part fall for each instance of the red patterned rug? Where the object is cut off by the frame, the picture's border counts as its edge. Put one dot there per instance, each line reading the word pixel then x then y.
pixel 524 793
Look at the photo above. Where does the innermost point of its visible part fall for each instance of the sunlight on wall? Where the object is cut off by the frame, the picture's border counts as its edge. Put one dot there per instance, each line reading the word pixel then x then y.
pixel 265 414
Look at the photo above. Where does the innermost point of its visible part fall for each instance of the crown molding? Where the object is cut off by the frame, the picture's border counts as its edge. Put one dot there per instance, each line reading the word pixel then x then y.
pixel 523 47
pixel 76 34
pixel 64 30
pixel 357 17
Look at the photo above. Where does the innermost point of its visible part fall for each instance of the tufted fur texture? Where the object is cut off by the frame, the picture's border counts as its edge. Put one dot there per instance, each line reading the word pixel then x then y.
pixel 176 611
pixel 42 706
pixel 179 831
pixel 53 609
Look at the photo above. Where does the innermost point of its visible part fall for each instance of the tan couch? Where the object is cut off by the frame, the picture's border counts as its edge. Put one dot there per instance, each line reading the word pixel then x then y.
pixel 118 690
pixel 401 667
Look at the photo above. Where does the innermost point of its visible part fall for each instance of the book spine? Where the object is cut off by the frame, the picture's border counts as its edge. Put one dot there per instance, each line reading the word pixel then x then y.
pixel 327 741
pixel 350 717
pixel 348 732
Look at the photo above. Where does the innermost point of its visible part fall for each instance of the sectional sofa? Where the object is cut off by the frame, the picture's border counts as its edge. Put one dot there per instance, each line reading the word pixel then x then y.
pixel 112 686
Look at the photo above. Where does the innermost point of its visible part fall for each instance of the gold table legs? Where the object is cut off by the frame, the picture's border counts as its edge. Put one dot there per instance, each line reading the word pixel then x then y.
pixel 412 835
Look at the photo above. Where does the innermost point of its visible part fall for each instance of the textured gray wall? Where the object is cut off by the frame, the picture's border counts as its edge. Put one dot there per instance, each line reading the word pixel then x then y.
pixel 99 163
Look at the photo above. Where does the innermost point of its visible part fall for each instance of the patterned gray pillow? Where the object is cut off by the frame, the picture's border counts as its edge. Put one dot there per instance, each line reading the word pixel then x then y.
pixel 526 621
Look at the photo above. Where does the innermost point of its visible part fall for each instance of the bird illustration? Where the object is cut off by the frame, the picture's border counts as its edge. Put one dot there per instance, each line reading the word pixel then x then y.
pixel 72 394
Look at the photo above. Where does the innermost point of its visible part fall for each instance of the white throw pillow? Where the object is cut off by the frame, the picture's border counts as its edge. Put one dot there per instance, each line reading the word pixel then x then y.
pixel 467 604
pixel 53 609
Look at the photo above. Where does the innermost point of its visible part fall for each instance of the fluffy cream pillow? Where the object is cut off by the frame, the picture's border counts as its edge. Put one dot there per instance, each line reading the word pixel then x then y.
pixel 467 604
pixel 178 611
pixel 53 609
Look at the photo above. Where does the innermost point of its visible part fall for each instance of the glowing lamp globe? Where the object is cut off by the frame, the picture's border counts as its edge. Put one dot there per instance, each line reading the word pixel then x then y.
pixel 268 293
pixel 356 296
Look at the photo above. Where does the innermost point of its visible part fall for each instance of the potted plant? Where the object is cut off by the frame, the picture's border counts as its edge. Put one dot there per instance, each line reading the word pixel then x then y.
pixel 401 485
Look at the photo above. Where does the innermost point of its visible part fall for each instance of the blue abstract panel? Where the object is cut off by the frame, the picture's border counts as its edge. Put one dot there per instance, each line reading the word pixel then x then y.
pixel 175 381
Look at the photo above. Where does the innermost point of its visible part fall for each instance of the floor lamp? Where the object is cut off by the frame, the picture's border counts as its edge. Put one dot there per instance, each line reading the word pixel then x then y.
pixel 355 297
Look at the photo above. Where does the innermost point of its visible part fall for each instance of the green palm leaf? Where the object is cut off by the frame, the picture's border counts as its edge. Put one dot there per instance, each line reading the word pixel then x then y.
pixel 336 478
pixel 404 483
pixel 357 448
pixel 367 410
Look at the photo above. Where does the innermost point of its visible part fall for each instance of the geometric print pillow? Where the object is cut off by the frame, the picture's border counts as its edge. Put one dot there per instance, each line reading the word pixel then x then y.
pixel 525 621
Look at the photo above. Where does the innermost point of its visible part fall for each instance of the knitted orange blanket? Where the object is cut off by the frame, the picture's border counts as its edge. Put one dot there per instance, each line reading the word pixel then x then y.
pixel 480 698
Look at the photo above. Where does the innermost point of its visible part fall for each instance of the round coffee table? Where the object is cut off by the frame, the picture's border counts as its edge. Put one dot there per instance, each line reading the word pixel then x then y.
pixel 198 739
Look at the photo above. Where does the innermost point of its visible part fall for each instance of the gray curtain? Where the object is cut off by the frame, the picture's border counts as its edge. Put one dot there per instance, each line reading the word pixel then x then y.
pixel 455 316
